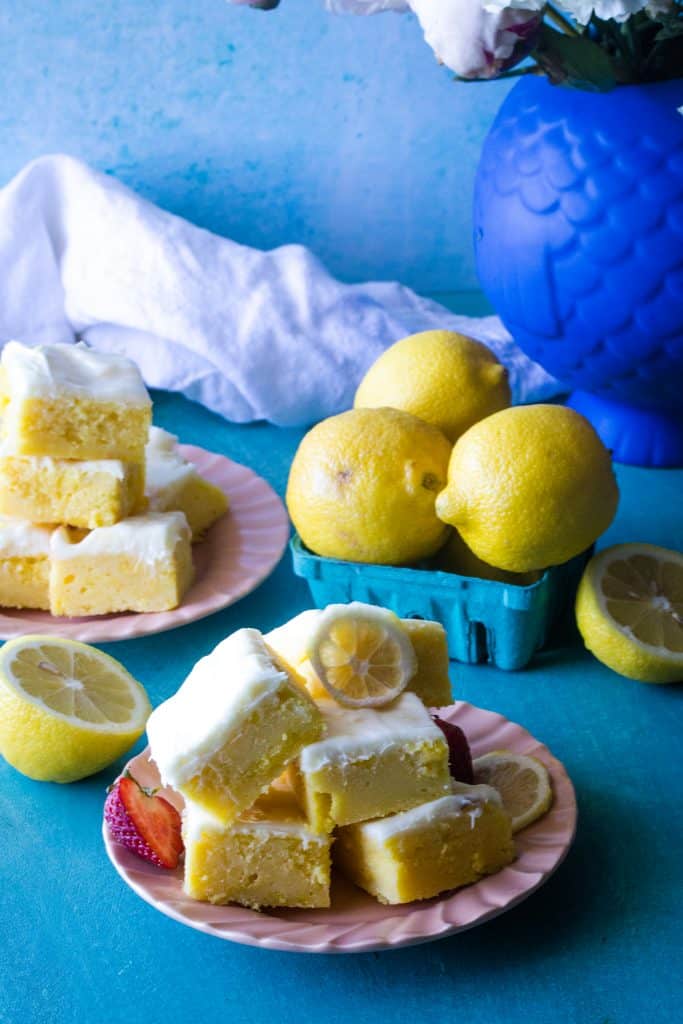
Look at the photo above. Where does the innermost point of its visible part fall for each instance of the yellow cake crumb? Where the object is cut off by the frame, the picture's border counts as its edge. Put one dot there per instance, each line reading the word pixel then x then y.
pixel 71 402
pixel 173 483
pixel 441 845
pixel 142 564
pixel 430 682
pixel 24 564
pixel 269 857
pixel 233 726
pixel 372 762
pixel 78 493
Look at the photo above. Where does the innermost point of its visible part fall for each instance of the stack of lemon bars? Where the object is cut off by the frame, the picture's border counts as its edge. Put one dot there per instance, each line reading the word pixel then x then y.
pixel 97 507
pixel 312 744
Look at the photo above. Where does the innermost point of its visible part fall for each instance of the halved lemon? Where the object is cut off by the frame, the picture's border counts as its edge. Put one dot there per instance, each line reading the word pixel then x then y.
pixel 361 654
pixel 66 709
pixel 629 610
pixel 522 781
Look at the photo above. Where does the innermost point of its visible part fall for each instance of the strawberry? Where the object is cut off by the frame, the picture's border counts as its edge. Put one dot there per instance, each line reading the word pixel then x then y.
pixel 144 822
pixel 459 756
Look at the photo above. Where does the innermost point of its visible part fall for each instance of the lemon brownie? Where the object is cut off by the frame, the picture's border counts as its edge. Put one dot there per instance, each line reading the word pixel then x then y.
pixel 232 727
pixel 430 681
pixel 269 857
pixel 373 762
pixel 437 846
pixel 142 564
pixel 71 402
pixel 84 493
pixel 174 483
pixel 24 564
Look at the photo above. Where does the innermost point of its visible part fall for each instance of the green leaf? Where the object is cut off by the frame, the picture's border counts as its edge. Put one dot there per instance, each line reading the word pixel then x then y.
pixel 574 60
pixel 671 29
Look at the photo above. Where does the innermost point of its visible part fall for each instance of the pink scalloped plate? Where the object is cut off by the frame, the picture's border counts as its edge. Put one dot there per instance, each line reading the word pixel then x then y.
pixel 355 922
pixel 238 553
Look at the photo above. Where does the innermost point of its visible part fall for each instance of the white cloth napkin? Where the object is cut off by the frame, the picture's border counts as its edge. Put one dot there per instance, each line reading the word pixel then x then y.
pixel 251 335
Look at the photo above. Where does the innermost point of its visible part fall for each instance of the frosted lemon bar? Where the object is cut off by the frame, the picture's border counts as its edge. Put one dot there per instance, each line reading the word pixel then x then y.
pixel 71 402
pixel 142 564
pixel 85 493
pixel 24 564
pixel 174 483
pixel 419 853
pixel 430 682
pixel 232 727
pixel 269 857
pixel 373 762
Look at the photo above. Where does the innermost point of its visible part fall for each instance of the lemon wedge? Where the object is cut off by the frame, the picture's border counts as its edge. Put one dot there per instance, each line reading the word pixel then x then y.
pixel 362 655
pixel 67 710
pixel 522 781
pixel 629 610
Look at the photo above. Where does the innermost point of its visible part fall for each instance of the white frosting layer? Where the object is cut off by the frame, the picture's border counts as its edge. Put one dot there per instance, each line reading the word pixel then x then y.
pixel 466 801
pixel 220 692
pixel 165 468
pixel 150 538
pixel 19 539
pixel 53 370
pixel 291 639
pixel 42 463
pixel 355 734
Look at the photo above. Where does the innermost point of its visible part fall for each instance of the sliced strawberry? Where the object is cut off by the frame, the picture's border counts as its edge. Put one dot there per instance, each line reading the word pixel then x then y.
pixel 144 822
pixel 459 756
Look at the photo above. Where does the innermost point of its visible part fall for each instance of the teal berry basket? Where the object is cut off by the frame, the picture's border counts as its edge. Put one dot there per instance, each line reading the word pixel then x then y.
pixel 486 621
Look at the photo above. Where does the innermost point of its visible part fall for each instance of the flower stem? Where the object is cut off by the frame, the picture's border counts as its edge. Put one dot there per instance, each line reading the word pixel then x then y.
pixel 530 69
pixel 561 22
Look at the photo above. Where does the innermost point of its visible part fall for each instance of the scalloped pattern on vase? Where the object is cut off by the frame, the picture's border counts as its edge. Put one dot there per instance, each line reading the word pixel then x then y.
pixel 579 235
pixel 356 922
pixel 239 551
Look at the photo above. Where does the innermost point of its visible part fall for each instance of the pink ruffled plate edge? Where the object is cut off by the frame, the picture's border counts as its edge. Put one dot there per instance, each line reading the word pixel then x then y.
pixel 356 923
pixel 238 553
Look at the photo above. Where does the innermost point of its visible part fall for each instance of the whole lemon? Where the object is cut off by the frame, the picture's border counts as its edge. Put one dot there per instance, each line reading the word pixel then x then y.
pixel 456 557
pixel 529 487
pixel 444 378
pixel 362 487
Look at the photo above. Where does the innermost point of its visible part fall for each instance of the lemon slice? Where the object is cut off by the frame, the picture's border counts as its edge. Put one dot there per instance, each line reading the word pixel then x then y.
pixel 629 610
pixel 362 655
pixel 66 709
pixel 523 783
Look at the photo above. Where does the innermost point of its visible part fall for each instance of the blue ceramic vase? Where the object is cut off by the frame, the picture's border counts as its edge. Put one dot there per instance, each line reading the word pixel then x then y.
pixel 578 222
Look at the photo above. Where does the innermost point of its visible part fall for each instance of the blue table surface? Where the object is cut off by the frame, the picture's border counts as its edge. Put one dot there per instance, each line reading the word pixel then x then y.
pixel 598 944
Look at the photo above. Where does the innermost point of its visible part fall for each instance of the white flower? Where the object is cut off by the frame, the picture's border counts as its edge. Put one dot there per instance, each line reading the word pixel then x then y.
pixel 615 10
pixel 495 6
pixel 657 7
pixel 474 41
pixel 366 6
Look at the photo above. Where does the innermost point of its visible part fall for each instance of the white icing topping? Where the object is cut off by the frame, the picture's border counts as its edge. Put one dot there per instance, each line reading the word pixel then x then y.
pixel 161 442
pixel 291 639
pixel 165 468
pixel 466 800
pixel 150 538
pixel 53 370
pixel 41 463
pixel 19 539
pixel 355 734
pixel 220 692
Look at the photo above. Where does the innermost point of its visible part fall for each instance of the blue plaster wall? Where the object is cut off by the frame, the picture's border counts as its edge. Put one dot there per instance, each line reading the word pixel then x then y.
pixel 338 132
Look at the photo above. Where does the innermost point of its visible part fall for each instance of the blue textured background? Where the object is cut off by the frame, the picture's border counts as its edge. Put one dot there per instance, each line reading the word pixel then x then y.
pixel 296 125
